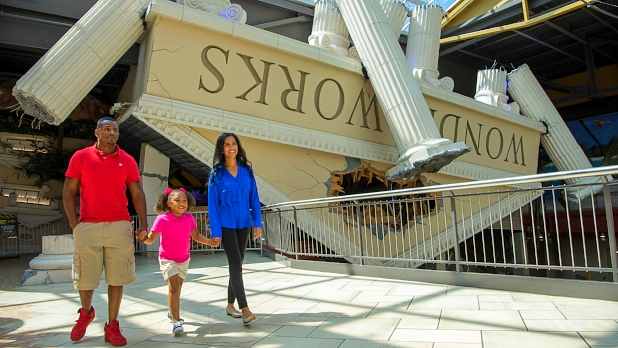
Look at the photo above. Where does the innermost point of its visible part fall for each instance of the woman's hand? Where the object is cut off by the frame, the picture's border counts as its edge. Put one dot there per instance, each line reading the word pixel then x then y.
pixel 214 242
pixel 257 232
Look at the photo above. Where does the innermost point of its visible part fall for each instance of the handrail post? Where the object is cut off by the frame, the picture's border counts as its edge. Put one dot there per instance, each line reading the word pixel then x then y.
pixel 609 216
pixel 296 229
pixel 454 219
pixel 360 239
pixel 280 233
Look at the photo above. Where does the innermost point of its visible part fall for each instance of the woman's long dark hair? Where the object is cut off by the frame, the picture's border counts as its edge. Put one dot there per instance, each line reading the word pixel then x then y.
pixel 218 159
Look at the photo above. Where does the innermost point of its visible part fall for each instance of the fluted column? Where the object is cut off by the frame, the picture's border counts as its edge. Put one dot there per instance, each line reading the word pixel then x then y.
pixel 558 142
pixel 491 89
pixel 60 80
pixel 421 147
pixel 329 30
pixel 396 13
pixel 423 45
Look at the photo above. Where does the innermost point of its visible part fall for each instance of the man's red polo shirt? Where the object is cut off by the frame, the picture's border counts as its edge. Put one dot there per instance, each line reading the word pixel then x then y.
pixel 103 181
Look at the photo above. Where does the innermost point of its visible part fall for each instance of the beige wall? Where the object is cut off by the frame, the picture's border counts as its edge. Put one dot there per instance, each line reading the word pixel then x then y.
pixel 203 67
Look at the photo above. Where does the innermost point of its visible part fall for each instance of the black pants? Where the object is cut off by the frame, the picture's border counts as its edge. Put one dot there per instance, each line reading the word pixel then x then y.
pixel 234 243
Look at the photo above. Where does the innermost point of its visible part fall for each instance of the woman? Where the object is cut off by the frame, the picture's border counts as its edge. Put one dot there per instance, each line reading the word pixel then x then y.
pixel 233 204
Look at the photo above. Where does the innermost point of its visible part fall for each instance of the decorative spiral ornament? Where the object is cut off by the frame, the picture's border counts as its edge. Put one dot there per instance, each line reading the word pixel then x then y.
pixel 325 41
pixel 447 83
pixel 515 108
pixel 193 3
pixel 235 13
pixel 353 53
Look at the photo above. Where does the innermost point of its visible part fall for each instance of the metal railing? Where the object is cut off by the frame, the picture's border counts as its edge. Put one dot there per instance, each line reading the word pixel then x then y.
pixel 30 240
pixel 505 226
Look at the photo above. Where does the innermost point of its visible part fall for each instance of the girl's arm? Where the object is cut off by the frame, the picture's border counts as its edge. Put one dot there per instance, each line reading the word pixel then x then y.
pixel 152 236
pixel 198 237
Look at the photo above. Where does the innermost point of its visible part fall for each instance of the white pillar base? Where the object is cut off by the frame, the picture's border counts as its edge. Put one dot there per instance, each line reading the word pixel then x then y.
pixel 427 159
pixel 54 264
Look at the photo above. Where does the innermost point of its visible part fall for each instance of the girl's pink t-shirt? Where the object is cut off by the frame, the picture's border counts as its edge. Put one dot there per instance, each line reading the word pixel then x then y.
pixel 175 236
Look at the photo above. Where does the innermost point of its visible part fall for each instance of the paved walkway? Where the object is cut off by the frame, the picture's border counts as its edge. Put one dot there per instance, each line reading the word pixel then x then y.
pixel 310 309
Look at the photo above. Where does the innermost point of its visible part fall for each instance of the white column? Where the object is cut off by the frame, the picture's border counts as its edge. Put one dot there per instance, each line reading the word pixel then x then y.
pixel 54 263
pixel 60 80
pixel 558 142
pixel 491 89
pixel 421 147
pixel 423 45
pixel 329 30
pixel 154 167
pixel 396 13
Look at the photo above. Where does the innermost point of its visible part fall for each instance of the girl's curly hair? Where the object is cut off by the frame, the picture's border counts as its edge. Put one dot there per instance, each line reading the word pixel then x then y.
pixel 161 206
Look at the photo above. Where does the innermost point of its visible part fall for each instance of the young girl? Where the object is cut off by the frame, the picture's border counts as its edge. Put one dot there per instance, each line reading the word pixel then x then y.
pixel 176 228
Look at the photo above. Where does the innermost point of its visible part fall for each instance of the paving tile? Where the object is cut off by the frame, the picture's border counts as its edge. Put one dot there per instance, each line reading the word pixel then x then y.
pixel 571 325
pixel 517 306
pixel 588 309
pixel 480 320
pixel 541 315
pixel 278 342
pixel 467 291
pixel 444 302
pixel 294 331
pixel 518 339
pixel 340 309
pixel 600 338
pixel 417 289
pixel 442 336
pixel 355 328
pixel 383 344
pixel 456 345
pixel 495 298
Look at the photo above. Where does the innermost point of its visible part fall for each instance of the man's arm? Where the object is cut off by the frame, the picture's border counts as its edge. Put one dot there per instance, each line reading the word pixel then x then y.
pixel 69 190
pixel 139 203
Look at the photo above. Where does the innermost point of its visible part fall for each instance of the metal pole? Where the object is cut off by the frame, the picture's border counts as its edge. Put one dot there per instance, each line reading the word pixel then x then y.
pixel 609 215
pixel 360 237
pixel 296 231
pixel 454 219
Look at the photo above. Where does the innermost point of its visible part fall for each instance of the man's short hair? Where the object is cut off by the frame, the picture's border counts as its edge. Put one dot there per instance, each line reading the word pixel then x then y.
pixel 103 120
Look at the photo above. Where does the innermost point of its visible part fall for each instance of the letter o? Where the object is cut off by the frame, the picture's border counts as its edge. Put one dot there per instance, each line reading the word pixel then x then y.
pixel 318 92
pixel 488 140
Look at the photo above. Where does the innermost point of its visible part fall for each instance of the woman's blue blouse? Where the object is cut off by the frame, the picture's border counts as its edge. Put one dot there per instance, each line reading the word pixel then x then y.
pixel 231 198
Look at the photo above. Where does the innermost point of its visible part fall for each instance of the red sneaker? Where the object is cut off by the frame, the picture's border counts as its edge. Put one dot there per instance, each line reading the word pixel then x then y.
pixel 113 335
pixel 79 330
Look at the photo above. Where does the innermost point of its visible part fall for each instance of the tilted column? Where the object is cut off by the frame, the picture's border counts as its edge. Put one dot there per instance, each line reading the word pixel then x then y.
pixel 421 147
pixel 396 13
pixel 423 45
pixel 558 142
pixel 491 89
pixel 329 30
pixel 60 80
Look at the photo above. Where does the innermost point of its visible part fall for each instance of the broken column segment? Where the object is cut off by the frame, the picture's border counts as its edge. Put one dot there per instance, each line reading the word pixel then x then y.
pixel 558 142
pixel 423 46
pixel 396 13
pixel 58 82
pixel 421 147
pixel 491 89
pixel 329 30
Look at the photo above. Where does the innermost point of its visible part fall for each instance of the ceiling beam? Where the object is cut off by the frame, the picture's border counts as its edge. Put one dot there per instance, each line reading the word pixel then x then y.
pixel 492 17
pixel 585 95
pixel 601 19
pixel 298 19
pixel 534 21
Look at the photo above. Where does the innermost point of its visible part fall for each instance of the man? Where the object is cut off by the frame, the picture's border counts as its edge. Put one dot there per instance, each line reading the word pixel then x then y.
pixel 103 233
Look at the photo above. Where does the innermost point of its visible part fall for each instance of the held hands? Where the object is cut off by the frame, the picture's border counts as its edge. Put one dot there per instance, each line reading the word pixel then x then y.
pixel 141 234
pixel 257 232
pixel 214 242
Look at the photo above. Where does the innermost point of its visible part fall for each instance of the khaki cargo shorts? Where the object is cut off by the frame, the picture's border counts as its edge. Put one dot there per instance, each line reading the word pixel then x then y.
pixel 103 245
pixel 170 268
